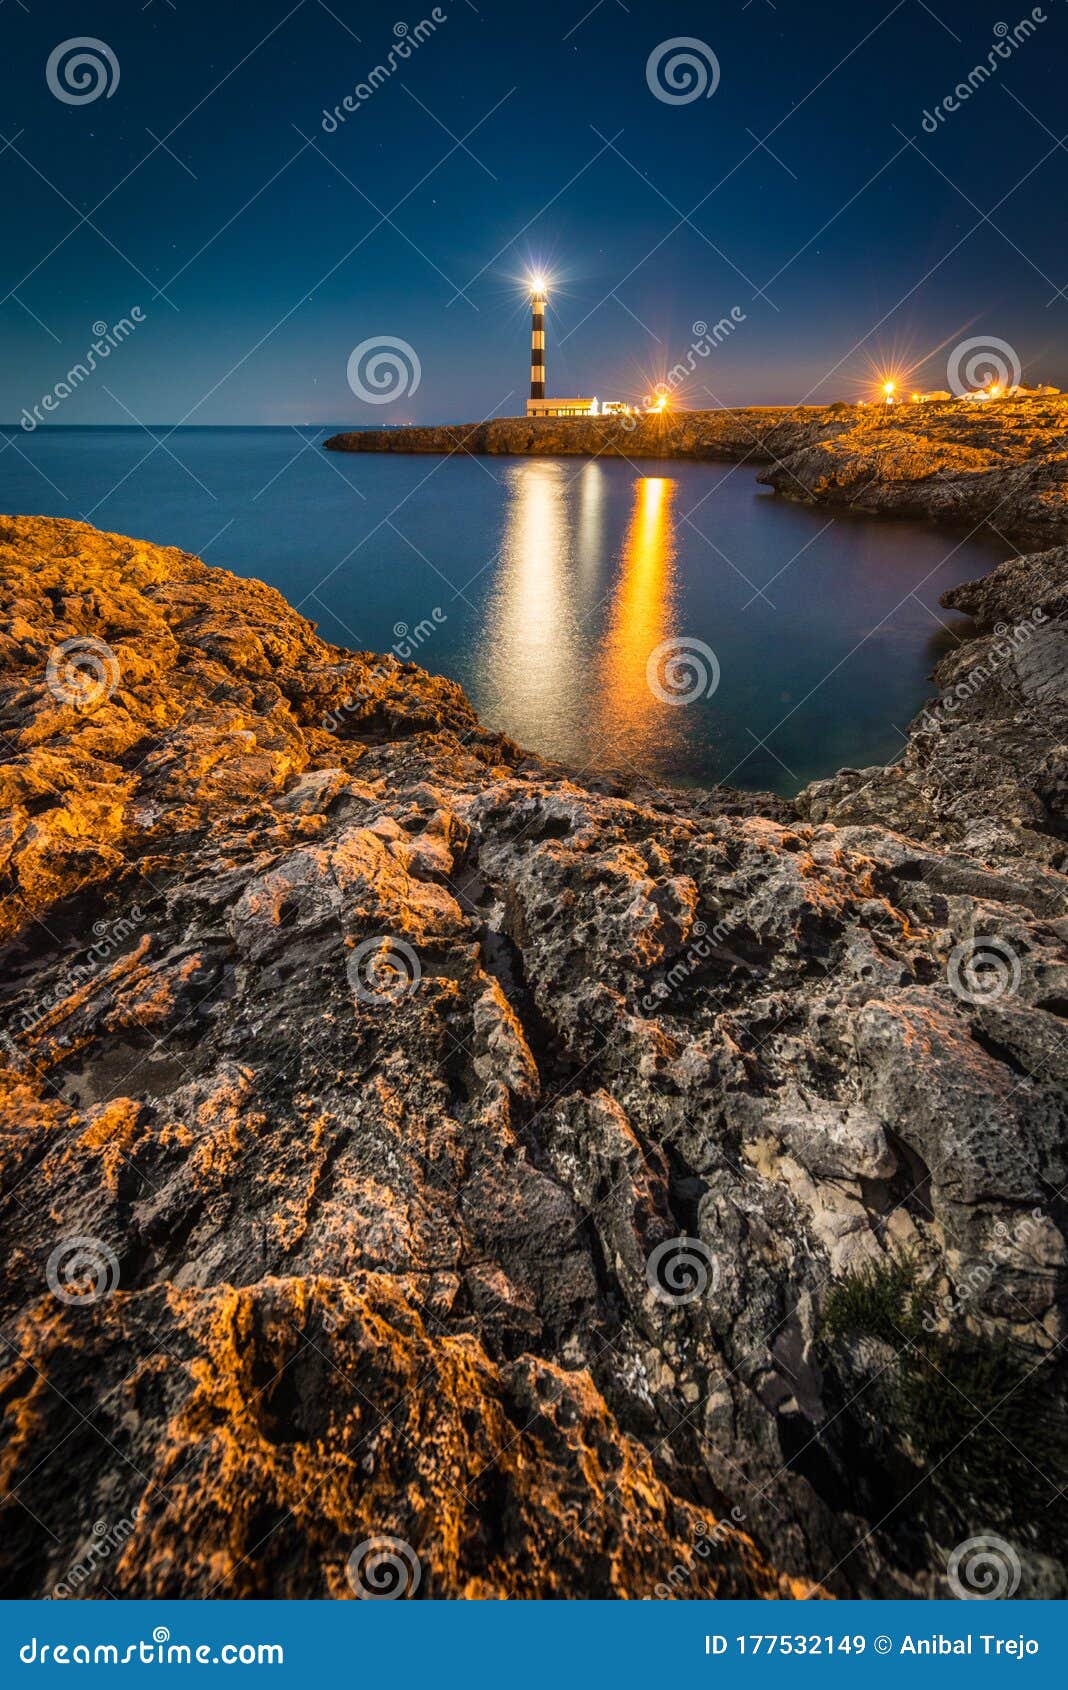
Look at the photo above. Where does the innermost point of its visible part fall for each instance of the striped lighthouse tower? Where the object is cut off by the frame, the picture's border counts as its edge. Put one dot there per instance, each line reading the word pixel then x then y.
pixel 537 339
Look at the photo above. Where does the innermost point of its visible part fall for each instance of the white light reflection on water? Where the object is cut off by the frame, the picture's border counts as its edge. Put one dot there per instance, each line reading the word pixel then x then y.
pixel 576 609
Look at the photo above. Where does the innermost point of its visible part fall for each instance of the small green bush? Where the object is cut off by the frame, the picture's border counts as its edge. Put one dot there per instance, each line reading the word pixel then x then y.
pixel 880 1300
pixel 978 1419
pixel 975 1417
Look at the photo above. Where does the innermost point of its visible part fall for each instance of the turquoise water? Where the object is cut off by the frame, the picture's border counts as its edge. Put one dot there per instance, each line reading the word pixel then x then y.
pixel 543 586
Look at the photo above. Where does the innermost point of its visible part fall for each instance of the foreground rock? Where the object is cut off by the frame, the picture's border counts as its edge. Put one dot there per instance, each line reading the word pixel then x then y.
pixel 985 770
pixel 1002 464
pixel 362 1074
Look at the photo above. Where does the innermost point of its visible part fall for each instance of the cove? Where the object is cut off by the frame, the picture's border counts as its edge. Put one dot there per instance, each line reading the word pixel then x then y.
pixel 543 585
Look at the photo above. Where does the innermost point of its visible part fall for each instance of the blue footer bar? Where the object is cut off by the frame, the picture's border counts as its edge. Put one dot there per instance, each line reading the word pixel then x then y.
pixel 540 1645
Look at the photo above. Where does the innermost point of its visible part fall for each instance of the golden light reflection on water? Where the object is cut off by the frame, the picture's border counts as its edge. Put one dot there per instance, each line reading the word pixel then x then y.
pixel 574 615
pixel 640 618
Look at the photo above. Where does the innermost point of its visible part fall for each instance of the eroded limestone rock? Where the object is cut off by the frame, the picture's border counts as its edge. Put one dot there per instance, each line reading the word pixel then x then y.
pixel 378 1061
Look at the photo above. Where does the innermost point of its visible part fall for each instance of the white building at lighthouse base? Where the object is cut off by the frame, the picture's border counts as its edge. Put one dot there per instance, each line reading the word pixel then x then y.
pixel 576 407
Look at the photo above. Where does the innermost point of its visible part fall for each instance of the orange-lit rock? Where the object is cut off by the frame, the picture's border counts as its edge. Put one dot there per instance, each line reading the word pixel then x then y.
pixel 1005 463
pixel 377 1061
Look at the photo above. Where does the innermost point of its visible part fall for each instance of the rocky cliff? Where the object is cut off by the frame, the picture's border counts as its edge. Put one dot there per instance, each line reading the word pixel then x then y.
pixel 1003 464
pixel 422 1172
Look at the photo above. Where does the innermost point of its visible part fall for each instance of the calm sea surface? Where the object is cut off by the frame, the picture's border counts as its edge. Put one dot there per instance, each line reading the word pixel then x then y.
pixel 544 585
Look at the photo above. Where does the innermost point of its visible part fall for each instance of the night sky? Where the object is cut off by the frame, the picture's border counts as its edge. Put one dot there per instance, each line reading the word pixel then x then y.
pixel 261 249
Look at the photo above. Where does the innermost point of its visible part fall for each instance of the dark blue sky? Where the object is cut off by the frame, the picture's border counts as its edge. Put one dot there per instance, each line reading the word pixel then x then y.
pixel 281 247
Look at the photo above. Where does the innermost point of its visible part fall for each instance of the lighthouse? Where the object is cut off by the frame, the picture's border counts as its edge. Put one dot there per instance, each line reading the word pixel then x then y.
pixel 537 338
pixel 538 405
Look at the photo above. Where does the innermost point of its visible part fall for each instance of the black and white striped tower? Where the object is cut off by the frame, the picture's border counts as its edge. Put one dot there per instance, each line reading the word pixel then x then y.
pixel 537 338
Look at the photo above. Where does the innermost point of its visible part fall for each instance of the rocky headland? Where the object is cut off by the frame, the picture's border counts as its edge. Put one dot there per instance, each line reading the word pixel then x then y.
pixel 597 1192
pixel 1002 464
